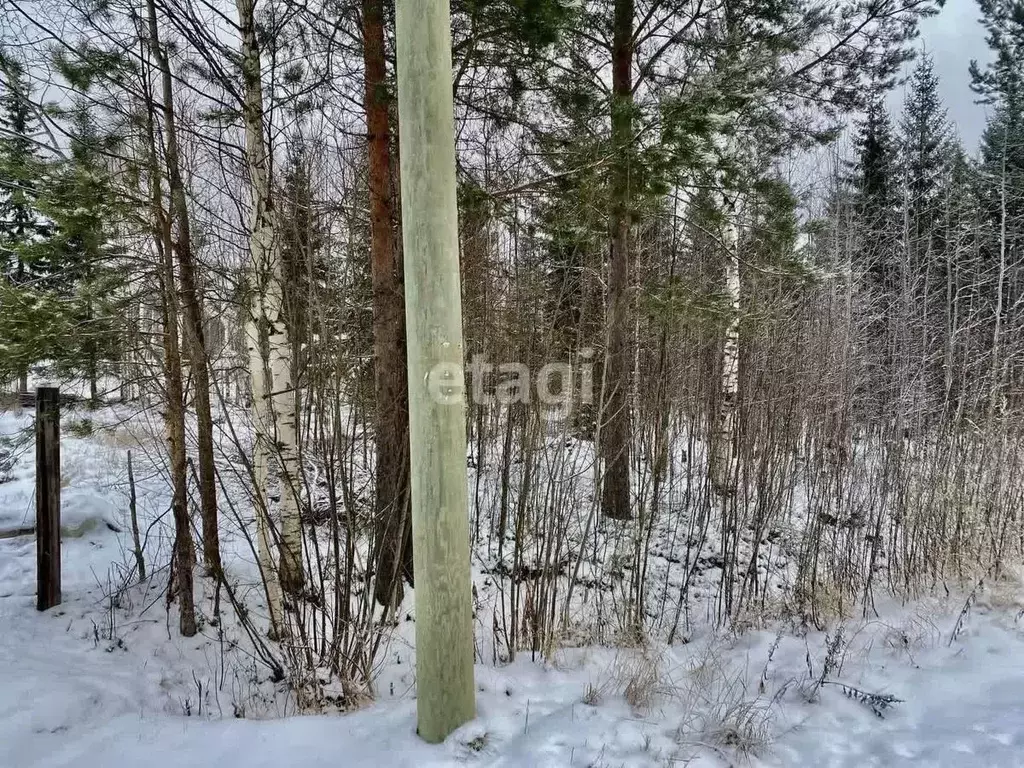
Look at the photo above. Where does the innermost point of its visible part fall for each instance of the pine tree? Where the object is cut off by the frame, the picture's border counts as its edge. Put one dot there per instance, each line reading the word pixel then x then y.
pixel 877 198
pixel 61 299
pixel 878 258
pixel 699 100
pixel 79 197
pixel 393 554
pixel 924 135
pixel 1001 173
pixel 21 223
pixel 924 138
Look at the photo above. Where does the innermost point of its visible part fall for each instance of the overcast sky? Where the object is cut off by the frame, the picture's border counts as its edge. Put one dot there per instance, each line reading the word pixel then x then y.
pixel 954 37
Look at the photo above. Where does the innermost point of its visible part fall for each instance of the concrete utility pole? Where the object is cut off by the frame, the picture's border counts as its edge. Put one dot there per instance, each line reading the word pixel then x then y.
pixel 437 428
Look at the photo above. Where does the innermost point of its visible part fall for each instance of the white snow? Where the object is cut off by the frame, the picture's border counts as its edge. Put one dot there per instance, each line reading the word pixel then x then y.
pixel 96 683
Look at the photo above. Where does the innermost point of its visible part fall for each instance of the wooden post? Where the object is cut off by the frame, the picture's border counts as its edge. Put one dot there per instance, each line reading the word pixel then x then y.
pixel 47 497
pixel 437 411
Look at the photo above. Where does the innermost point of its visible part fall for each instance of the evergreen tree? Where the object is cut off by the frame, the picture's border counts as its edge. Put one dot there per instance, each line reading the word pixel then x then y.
pixel 699 100
pixel 1001 81
pixel 71 313
pixel 924 135
pixel 1000 181
pixel 303 236
pixel 924 139
pixel 1001 85
pixel 878 258
pixel 960 272
pixel 877 198
pixel 20 221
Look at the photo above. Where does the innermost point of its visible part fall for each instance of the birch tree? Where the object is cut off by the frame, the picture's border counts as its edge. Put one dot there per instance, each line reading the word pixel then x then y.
pixel 274 394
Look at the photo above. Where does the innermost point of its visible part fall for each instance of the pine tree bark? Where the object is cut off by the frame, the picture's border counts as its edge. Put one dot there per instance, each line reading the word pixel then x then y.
pixel 617 427
pixel 391 507
pixel 189 296
pixel 267 273
pixel 440 519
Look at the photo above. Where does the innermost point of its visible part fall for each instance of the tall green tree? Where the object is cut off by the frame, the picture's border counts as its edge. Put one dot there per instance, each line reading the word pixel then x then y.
pixel 878 200
pixel 924 134
pixel 1000 84
pixel 21 223
pixel 20 164
pixel 658 94
pixel 81 198
pixel 64 303
pixel 878 259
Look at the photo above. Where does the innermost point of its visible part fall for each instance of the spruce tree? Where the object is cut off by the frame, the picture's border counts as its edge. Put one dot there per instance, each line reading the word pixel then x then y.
pixel 879 257
pixel 21 223
pixel 82 280
pixel 924 138
pixel 1000 84
pixel 877 196
pixel 1000 180
pixel 924 134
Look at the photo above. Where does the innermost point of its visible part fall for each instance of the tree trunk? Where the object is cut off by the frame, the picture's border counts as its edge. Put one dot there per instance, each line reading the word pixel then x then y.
pixel 183 551
pixel 724 439
pixel 183 558
pixel 391 509
pixel 91 363
pixel 189 297
pixel 266 535
pixel 440 519
pixel 267 273
pixel 995 394
pixel 616 430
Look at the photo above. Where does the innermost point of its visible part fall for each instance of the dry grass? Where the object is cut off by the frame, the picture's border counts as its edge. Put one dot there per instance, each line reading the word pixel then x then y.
pixel 635 674
pixel 1004 594
pixel 721 713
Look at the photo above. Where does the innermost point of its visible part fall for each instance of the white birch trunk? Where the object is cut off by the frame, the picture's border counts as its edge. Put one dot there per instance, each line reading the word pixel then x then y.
pixel 285 419
pixel 279 430
pixel 265 531
pixel 723 465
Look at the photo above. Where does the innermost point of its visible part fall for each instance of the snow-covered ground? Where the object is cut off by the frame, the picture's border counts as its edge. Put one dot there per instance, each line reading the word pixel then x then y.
pixel 105 679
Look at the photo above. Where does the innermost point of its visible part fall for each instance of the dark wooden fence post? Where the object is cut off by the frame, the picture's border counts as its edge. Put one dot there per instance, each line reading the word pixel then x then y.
pixel 47 497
